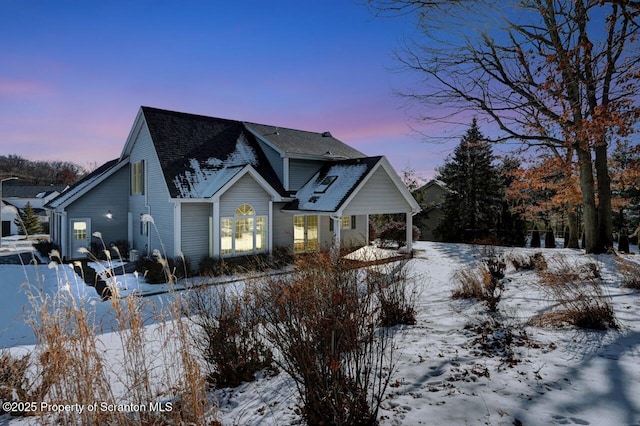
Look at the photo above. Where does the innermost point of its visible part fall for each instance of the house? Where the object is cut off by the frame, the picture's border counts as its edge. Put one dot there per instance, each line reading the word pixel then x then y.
pixel 204 186
pixel 430 197
pixel 17 194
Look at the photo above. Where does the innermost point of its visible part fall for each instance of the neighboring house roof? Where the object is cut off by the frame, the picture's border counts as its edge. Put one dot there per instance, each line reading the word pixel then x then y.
pixel 199 154
pixel 303 144
pixel 85 184
pixel 433 182
pixel 27 190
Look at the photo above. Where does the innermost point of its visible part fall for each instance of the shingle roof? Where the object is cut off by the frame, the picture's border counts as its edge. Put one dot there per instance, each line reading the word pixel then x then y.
pixel 194 147
pixel 303 143
pixel 332 185
pixel 27 190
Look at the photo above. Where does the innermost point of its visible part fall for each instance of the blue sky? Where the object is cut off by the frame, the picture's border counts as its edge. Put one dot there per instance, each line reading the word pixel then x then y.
pixel 74 73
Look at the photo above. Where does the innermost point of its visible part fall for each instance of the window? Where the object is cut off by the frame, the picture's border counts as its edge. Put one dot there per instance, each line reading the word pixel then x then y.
pixel 137 178
pixel 244 232
pixel 305 233
pixel 346 222
pixel 79 230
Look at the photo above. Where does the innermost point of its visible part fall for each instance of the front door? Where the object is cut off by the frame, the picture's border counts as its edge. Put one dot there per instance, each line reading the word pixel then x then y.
pixel 80 236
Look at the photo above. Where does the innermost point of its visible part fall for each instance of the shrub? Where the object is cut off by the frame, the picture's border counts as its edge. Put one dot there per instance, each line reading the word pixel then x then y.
pixel 395 295
pixel 321 320
pixel 14 381
pixel 484 283
pixel 531 262
pixel 227 335
pixel 396 233
pixel 45 248
pixel 630 274
pixel 578 296
pixel 159 270
pixel 535 238
pixel 623 243
pixel 549 239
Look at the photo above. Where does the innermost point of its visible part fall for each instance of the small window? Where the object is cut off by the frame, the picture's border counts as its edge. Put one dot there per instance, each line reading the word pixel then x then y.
pixel 325 184
pixel 137 178
pixel 346 222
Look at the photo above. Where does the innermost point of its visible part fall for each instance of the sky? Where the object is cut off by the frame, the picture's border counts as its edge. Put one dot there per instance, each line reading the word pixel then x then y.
pixel 73 74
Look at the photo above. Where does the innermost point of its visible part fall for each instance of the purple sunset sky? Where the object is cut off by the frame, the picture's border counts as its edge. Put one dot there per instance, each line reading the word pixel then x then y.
pixel 73 74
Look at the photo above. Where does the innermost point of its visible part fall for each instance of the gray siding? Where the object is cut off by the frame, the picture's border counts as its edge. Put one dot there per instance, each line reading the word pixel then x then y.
pixel 195 231
pixel 274 159
pixel 155 201
pixel 245 191
pixel 96 203
pixel 379 195
pixel 348 237
pixel 300 171
pixel 282 227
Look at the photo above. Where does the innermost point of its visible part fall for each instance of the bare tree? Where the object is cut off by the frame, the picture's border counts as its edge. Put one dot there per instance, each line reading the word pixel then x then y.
pixel 559 74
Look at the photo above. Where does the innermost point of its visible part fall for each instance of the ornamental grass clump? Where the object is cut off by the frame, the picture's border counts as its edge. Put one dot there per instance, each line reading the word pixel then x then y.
pixel 577 296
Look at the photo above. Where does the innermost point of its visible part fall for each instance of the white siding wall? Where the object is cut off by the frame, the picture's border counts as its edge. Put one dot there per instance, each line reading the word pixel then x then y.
pixel 155 201
pixel 195 231
pixel 379 195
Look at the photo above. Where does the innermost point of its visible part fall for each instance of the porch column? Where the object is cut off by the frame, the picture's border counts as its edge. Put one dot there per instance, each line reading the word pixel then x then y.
pixel 336 232
pixel 409 223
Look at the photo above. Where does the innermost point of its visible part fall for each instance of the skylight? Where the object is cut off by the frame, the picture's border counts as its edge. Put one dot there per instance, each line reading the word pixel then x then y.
pixel 325 184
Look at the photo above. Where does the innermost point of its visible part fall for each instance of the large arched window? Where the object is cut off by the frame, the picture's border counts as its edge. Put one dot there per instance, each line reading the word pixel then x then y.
pixel 243 233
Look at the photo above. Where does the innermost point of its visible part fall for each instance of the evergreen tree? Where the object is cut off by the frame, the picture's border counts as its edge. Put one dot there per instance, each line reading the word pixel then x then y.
pixel 29 222
pixel 472 208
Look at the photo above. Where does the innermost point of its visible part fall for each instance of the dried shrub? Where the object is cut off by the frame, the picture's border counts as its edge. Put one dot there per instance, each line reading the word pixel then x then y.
pixel 578 296
pixel 395 293
pixel 484 283
pixel 227 335
pixel 14 381
pixel 530 262
pixel 157 269
pixel 321 319
pixel 45 248
pixel 629 273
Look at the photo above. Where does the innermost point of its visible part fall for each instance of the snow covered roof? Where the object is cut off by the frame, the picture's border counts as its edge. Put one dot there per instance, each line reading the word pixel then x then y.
pixel 27 190
pixel 332 185
pixel 199 154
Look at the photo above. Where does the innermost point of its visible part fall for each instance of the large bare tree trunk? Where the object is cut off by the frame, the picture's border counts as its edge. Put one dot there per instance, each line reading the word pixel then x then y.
pixel 573 227
pixel 587 186
pixel 605 212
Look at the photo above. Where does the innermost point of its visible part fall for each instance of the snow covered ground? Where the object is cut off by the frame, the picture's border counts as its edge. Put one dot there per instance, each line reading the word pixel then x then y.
pixel 443 376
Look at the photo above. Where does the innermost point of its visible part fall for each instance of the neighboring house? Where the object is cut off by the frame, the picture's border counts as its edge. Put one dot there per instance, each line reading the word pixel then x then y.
pixel 18 194
pixel 216 187
pixel 431 197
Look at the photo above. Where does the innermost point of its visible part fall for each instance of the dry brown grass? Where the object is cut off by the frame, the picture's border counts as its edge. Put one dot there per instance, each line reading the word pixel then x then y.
pixel 577 297
pixel 71 365
pixel 630 273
